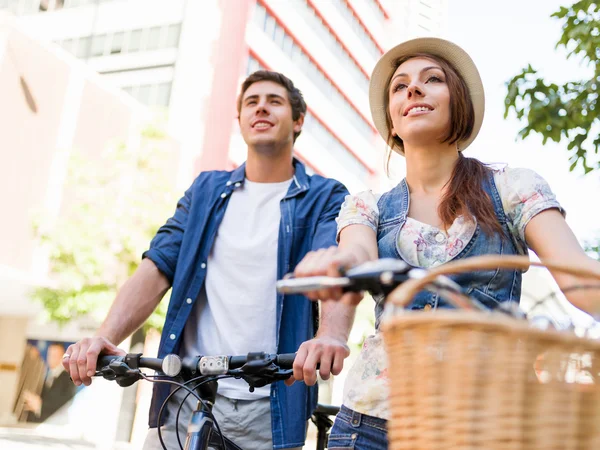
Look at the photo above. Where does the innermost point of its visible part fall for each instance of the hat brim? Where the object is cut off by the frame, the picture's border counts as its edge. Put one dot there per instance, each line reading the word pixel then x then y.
pixel 456 56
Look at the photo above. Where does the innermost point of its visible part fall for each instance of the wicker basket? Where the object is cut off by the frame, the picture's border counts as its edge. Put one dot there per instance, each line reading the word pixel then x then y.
pixel 467 380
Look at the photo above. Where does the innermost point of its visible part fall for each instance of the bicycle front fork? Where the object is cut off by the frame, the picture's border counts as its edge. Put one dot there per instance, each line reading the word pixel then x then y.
pixel 201 423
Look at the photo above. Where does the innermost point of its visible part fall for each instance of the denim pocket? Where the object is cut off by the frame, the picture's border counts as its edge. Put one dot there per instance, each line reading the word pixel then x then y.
pixel 340 441
pixel 485 299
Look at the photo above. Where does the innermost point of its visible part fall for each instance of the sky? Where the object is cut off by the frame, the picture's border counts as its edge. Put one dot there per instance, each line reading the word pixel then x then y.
pixel 502 37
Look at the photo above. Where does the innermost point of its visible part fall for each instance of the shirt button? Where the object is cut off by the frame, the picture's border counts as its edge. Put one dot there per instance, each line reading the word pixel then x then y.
pixel 238 184
pixel 440 238
pixel 188 301
pixel 427 307
pixel 228 183
pixel 203 266
pixel 172 337
pixel 223 195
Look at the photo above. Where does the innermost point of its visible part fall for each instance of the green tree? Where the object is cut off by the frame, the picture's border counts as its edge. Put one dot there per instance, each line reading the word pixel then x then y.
pixel 566 111
pixel 593 248
pixel 112 207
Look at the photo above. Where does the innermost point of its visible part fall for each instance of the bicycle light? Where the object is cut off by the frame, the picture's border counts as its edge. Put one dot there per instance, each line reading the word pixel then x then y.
pixel 214 365
pixel 171 365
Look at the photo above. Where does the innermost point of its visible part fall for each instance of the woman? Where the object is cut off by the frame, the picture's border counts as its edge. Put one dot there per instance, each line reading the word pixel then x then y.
pixel 427 102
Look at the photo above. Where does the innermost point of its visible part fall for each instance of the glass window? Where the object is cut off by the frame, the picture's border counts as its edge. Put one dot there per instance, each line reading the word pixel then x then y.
pixel 144 93
pixel 82 50
pixel 143 45
pixel 69 45
pixel 296 53
pixel 260 14
pixel 153 40
pixel 116 43
pixel 253 66
pixel 163 94
pixel 29 7
pixel 270 25
pixel 135 41
pixel 288 44
pixel 314 73
pixel 377 10
pixel 330 41
pixel 278 36
pixel 98 43
pixel 333 146
pixel 357 27
pixel 173 32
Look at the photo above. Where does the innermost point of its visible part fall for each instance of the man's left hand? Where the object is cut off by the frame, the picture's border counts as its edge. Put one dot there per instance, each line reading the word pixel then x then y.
pixel 328 351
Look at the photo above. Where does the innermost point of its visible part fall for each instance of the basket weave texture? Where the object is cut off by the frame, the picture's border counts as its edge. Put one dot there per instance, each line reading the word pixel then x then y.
pixel 470 380
pixel 463 380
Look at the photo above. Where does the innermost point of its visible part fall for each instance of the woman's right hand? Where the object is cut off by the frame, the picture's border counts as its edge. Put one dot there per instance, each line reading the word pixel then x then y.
pixel 329 262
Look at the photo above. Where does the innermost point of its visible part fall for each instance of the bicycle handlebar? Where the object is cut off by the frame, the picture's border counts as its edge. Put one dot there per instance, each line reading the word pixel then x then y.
pixel 256 368
pixel 378 277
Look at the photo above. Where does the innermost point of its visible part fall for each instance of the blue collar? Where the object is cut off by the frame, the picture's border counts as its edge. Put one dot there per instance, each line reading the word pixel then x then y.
pixel 299 181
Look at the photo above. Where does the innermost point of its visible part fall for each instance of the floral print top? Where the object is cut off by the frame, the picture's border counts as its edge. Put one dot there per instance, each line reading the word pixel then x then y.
pixel 524 194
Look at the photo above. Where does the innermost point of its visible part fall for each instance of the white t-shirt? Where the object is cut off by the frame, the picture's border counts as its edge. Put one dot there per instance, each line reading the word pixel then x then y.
pixel 236 312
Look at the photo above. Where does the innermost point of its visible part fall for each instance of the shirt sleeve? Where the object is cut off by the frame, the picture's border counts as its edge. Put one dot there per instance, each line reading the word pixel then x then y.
pixel 324 236
pixel 524 195
pixel 358 209
pixel 166 244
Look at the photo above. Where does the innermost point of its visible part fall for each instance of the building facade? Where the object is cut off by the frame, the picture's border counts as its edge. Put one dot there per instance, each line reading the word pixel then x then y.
pixel 189 58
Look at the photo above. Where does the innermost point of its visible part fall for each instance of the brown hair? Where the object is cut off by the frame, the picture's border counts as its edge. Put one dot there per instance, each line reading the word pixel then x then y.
pixel 294 95
pixel 464 193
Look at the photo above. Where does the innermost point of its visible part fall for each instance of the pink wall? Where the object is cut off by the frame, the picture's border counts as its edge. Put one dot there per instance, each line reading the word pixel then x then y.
pixel 98 115
pixel 28 140
pixel 229 58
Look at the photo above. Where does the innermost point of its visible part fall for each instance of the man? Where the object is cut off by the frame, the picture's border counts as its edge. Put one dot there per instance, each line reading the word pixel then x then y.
pixel 232 236
pixel 57 389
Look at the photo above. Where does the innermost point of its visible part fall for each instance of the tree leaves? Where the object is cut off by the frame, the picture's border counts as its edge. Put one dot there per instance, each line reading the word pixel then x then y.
pixel 567 112
pixel 114 205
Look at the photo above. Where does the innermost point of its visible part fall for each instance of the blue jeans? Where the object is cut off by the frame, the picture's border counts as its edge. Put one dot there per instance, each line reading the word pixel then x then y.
pixel 358 431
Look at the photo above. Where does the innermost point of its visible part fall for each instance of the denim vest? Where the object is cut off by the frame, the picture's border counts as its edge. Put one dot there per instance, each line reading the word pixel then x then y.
pixel 490 287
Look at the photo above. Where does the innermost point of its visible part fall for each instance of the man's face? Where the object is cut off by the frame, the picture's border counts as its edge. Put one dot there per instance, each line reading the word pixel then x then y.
pixel 266 117
pixel 55 352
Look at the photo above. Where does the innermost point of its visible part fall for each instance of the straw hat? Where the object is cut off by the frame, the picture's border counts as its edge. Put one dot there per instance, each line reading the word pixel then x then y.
pixel 456 56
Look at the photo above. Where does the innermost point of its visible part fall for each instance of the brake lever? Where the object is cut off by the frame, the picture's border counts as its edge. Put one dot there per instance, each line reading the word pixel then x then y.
pixel 259 378
pixel 121 373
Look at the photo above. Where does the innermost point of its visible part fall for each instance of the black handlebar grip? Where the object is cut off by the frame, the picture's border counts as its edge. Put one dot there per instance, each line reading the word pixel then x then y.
pixel 105 360
pixel 286 360
pixel 235 362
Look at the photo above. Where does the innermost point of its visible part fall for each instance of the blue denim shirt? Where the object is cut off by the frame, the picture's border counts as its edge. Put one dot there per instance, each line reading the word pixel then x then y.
pixel 180 250
pixel 489 286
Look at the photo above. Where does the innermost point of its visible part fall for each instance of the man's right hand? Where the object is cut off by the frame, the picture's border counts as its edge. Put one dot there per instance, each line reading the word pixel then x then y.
pixel 80 358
